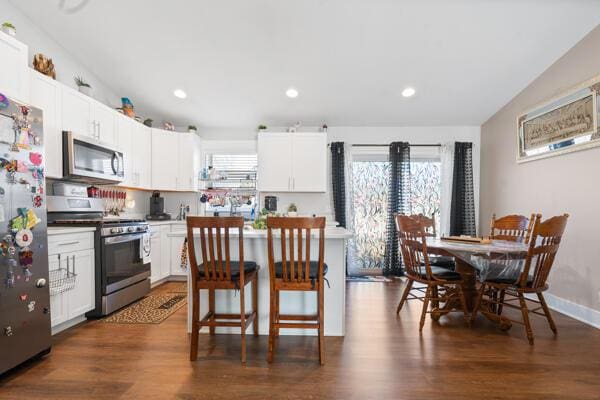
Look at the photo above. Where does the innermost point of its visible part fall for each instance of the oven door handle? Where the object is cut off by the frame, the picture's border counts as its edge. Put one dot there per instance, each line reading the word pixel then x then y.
pixel 123 238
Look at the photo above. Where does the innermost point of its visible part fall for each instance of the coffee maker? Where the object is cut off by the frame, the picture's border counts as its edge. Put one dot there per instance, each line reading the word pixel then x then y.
pixel 157 208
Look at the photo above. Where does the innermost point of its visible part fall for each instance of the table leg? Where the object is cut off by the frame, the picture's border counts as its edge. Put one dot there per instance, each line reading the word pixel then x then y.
pixel 469 288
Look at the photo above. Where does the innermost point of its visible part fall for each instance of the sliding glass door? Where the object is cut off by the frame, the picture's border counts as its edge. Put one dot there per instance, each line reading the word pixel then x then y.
pixel 369 195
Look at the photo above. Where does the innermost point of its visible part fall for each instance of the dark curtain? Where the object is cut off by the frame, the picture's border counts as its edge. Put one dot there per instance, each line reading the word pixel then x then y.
pixel 337 179
pixel 462 209
pixel 398 202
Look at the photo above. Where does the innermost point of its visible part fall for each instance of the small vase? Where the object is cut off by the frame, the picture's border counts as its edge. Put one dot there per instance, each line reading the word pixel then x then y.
pixel 292 214
pixel 9 31
pixel 85 90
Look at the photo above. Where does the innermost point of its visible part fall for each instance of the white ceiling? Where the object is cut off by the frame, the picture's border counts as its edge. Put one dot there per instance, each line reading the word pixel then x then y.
pixel 349 59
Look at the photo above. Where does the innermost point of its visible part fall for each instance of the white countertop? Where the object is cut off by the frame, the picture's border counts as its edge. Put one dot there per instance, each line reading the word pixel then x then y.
pixel 63 230
pixel 169 222
pixel 330 233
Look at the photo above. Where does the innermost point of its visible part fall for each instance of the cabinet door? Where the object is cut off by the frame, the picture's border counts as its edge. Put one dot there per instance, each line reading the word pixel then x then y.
pixel 125 144
pixel 81 298
pixel 189 162
pixel 165 160
pixel 274 162
pixel 142 156
pixel 14 79
pixel 105 119
pixel 165 243
pixel 77 113
pixel 155 256
pixel 45 94
pixel 58 305
pixel 309 162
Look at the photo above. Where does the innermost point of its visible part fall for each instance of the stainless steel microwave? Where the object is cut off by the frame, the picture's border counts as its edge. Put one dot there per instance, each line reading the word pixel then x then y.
pixel 88 160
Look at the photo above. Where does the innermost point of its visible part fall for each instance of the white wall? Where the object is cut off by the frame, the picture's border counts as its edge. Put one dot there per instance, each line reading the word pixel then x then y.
pixel 551 186
pixel 66 64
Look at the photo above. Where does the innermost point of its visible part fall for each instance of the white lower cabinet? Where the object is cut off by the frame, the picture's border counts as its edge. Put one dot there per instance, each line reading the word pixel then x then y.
pixel 160 252
pixel 73 252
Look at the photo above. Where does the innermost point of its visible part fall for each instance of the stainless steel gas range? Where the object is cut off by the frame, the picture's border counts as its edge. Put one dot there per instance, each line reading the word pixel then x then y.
pixel 122 251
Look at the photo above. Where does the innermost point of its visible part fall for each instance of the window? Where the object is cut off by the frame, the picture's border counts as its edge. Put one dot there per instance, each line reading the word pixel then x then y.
pixel 234 166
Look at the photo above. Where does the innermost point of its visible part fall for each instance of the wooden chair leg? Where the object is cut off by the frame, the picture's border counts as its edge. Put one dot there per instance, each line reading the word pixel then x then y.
pixel 425 306
pixel 271 324
pixel 321 324
pixel 211 308
pixel 277 296
pixel 243 323
pixel 407 290
pixel 501 301
pixel 477 303
pixel 255 304
pixel 195 324
pixel 547 313
pixel 525 312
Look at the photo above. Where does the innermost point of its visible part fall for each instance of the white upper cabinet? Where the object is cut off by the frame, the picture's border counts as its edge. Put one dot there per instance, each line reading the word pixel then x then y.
pixel 274 162
pixel 105 123
pixel 165 160
pixel 142 156
pixel 77 113
pixel 189 162
pixel 292 162
pixel 125 144
pixel 14 76
pixel 309 162
pixel 45 94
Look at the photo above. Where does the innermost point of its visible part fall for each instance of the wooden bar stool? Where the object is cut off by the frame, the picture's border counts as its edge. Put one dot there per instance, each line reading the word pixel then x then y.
pixel 297 274
pixel 219 272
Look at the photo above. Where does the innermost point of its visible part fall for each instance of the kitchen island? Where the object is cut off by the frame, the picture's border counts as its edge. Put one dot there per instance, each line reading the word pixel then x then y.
pixel 255 249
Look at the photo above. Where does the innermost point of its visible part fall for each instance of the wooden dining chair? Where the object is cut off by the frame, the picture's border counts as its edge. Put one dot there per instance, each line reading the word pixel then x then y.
pixel 218 271
pixel 296 272
pixel 543 245
pixel 514 228
pixel 437 280
pixel 428 224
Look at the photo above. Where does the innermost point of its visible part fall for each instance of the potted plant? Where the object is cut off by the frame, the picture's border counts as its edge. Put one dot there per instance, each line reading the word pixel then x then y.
pixel 262 128
pixel 9 29
pixel 292 210
pixel 83 86
pixel 192 129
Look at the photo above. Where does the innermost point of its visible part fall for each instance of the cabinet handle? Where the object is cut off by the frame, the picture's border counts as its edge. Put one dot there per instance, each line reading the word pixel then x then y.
pixel 289 183
pixel 67 244
pixel 73 264
pixel 67 266
pixel 293 183
pixel 99 126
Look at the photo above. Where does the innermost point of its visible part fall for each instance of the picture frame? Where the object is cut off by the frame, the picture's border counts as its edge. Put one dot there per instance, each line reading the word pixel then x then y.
pixel 563 124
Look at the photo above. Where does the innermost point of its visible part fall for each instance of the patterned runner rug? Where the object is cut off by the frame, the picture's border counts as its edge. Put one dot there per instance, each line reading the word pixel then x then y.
pixel 152 309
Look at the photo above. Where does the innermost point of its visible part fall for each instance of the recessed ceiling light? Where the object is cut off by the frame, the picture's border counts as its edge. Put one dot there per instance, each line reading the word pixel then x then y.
pixel 291 93
pixel 408 92
pixel 179 93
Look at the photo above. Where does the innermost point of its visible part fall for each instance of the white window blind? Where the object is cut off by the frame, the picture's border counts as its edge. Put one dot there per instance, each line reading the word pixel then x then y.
pixel 236 166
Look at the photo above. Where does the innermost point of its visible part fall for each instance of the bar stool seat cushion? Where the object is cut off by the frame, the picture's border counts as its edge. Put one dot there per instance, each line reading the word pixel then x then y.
pixel 249 266
pixel 440 273
pixel 312 272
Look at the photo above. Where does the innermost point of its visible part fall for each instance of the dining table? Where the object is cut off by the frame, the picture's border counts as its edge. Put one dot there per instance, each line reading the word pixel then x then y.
pixel 492 258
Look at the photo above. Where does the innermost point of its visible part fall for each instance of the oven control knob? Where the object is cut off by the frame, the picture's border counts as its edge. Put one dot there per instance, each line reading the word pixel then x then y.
pixel 115 230
pixel 141 228
pixel 130 229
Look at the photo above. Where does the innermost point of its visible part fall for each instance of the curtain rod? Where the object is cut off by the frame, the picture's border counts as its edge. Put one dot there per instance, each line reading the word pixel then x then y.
pixel 387 145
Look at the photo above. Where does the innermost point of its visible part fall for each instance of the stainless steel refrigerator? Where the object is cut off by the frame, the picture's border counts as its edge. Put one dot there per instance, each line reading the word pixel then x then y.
pixel 24 282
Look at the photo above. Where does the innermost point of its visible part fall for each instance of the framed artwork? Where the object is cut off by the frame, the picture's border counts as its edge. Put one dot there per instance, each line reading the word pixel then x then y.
pixel 561 125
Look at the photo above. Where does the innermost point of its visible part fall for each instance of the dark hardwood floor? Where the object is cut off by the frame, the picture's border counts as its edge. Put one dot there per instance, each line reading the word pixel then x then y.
pixel 382 357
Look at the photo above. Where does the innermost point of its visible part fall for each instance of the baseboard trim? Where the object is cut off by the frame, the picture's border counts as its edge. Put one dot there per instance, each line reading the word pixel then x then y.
pixel 68 324
pixel 576 311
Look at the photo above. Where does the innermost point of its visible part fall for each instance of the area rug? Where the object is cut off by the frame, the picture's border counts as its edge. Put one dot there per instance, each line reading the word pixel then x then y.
pixel 367 278
pixel 152 309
